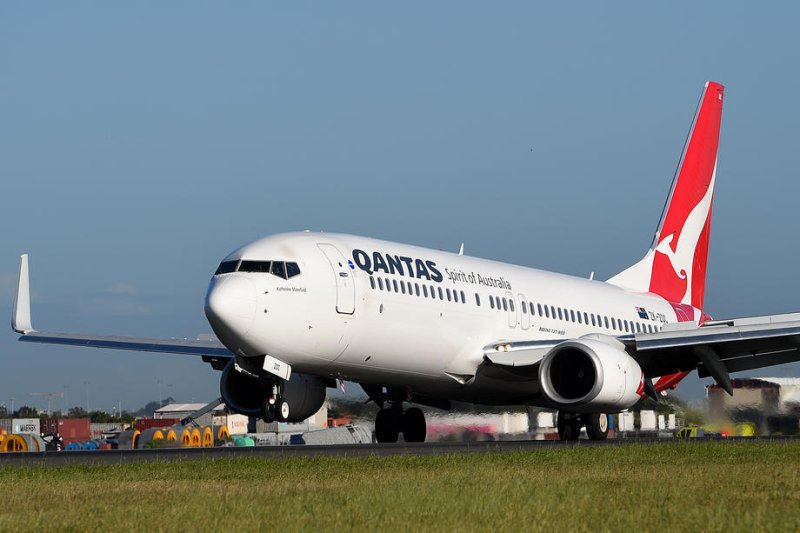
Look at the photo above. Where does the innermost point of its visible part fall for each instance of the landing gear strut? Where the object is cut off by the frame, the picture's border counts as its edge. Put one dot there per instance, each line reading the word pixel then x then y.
pixel 392 421
pixel 569 425
pixel 275 406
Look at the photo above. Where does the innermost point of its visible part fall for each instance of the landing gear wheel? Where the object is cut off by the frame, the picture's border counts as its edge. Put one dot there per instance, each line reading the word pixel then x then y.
pixel 386 429
pixel 414 427
pixel 569 426
pixel 597 426
pixel 269 411
pixel 282 410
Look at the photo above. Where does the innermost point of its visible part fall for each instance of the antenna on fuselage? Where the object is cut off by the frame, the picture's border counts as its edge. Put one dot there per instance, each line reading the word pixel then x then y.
pixel 591 276
pixel 461 249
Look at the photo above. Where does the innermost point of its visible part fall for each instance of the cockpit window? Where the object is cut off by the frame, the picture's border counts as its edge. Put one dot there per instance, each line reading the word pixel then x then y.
pixel 292 270
pixel 279 269
pixel 226 267
pixel 255 266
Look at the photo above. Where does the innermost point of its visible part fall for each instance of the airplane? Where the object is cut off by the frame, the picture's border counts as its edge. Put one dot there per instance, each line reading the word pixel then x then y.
pixel 295 312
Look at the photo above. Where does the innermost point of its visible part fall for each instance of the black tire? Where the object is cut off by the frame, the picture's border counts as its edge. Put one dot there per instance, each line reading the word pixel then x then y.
pixel 414 427
pixel 282 410
pixel 386 429
pixel 268 412
pixel 597 426
pixel 569 426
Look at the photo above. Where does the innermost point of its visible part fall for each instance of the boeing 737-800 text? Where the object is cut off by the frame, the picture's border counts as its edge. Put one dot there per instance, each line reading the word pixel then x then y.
pixel 295 312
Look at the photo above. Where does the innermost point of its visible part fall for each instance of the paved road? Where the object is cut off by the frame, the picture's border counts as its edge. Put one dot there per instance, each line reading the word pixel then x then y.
pixel 344 450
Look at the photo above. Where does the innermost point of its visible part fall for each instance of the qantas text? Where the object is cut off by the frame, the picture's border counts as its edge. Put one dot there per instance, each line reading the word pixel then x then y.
pixel 396 264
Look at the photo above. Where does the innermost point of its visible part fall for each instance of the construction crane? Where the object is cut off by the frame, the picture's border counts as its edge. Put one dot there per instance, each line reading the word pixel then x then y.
pixel 49 396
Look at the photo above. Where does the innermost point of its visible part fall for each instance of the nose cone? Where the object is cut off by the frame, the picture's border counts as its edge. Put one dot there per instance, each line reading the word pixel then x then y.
pixel 231 307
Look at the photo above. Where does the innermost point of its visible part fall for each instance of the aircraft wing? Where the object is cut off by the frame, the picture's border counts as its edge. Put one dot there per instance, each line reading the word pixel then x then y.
pixel 211 350
pixel 714 349
pixel 719 347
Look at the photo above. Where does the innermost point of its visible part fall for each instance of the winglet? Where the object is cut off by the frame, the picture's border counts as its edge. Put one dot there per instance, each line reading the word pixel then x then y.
pixel 21 319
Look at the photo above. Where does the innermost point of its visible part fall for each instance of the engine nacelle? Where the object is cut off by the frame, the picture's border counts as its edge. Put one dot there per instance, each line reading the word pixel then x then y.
pixel 245 395
pixel 590 375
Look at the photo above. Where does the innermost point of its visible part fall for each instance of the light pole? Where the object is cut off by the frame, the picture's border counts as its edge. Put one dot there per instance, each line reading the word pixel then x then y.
pixel 12 406
pixel 160 399
pixel 87 396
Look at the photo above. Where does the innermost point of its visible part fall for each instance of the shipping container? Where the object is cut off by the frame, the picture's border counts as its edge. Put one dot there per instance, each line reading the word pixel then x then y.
pixel 237 424
pixel 49 425
pixel 20 426
pixel 97 429
pixel 5 425
pixel 74 429
pixel 149 423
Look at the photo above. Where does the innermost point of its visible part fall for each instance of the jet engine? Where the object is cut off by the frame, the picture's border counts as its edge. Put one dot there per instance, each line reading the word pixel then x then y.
pixel 590 375
pixel 245 395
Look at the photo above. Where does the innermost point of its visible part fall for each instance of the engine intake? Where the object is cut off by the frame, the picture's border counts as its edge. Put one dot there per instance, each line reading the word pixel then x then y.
pixel 590 375
pixel 245 395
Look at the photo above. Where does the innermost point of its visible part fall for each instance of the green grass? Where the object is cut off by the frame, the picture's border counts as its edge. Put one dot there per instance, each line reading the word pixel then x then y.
pixel 683 486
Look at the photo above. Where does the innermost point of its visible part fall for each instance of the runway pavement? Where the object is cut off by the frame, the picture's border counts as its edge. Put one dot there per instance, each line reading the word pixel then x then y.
pixel 345 450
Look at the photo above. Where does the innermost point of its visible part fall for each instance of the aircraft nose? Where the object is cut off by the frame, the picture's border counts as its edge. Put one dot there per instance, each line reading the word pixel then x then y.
pixel 231 306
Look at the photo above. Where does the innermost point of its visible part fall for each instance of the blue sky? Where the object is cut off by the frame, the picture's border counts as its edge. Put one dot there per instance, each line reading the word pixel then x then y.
pixel 141 142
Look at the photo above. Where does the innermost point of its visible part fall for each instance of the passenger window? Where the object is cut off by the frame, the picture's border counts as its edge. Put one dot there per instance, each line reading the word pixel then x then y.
pixel 524 308
pixel 638 328
pixel 560 316
pixel 539 308
pixel 532 308
pixel 491 301
pixel 572 315
pixel 441 295
pixel 226 267
pixel 372 282
pixel 586 318
pixel 477 300
pixel 388 285
pixel 402 286
pixel 279 269
pixel 254 266
pixel 425 290
pixel 593 322
pixel 553 312
pixel 380 283
pixel 625 323
pixel 511 305
pixel 416 288
pixel 394 284
pixel 580 318
pixel 606 320
pixel 448 294
pixel 433 292
pixel 546 311
pixel 505 304
pixel 292 270
pixel 463 298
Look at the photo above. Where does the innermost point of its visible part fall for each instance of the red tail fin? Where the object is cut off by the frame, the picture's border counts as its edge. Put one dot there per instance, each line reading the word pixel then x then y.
pixel 675 265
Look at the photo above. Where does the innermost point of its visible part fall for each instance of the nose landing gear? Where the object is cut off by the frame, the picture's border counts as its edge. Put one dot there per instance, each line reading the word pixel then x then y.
pixel 275 406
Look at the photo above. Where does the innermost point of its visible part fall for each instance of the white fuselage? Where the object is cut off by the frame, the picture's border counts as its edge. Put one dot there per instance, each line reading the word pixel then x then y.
pixel 385 313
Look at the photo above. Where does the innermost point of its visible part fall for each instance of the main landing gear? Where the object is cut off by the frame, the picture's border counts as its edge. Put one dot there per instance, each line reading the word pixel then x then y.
pixel 391 421
pixel 275 406
pixel 569 425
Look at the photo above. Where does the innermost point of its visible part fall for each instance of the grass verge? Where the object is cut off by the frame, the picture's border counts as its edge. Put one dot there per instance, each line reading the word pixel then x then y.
pixel 710 486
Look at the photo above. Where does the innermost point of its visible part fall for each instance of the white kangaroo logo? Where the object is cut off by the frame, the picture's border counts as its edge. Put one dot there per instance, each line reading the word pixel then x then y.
pixel 682 258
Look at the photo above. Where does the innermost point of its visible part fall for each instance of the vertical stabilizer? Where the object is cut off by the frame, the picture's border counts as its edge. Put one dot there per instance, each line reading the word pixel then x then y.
pixel 675 265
